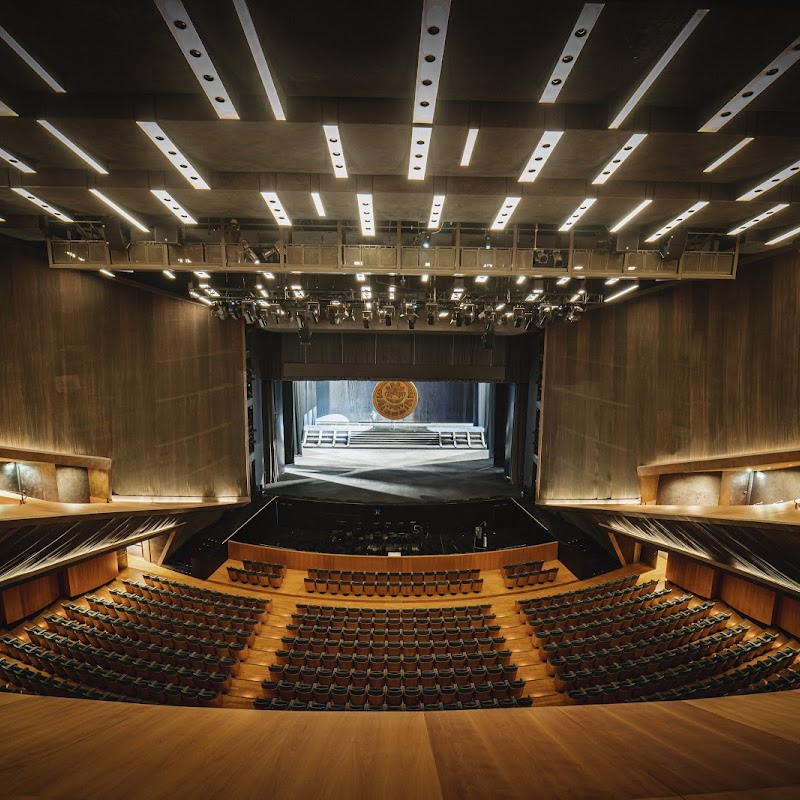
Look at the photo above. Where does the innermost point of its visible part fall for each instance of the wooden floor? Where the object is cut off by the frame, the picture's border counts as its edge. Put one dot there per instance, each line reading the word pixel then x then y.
pixel 739 748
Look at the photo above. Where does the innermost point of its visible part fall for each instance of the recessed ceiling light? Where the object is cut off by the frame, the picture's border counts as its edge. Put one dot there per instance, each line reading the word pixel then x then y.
pixel 749 224
pixel 437 206
pixel 108 273
pixel 174 206
pixel 435 15
pixel 202 274
pixel 418 156
pixel 7 111
pixel 169 273
pixel 542 151
pixel 563 280
pixel 469 146
pixel 572 49
pixel 333 139
pixel 578 213
pixel 779 177
pixel 315 196
pixel 505 212
pixel 31 61
pixel 269 276
pixel 168 148
pixel 521 279
pixel 612 281
pixel 37 201
pixel 616 160
pixel 660 65
pixel 728 154
pixel 678 220
pixel 753 89
pixel 260 59
pixel 630 215
pixel 784 236
pixel 575 298
pixel 79 151
pixel 366 214
pixel 16 162
pixel 633 287
pixel 443 314
pixel 424 278
pixel 481 278
pixel 121 211
pixel 276 207
pixel 196 55
pixel 361 277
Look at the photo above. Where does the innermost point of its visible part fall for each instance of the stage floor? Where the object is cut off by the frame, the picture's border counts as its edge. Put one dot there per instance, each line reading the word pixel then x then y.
pixel 397 476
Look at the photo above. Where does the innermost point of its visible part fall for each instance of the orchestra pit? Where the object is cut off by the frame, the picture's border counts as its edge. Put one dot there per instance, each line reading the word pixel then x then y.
pixel 399 400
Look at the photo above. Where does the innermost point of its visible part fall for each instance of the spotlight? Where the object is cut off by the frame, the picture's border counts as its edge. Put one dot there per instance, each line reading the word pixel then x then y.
pixel 457 318
pixel 304 332
pixel 366 317
pixel 487 337
pixel 469 314
pixel 426 241
pixel 487 242
pixel 313 309
pixel 388 315
pixel 249 312
pixel 431 312
pixel 519 316
pixel 332 319
pixel 219 311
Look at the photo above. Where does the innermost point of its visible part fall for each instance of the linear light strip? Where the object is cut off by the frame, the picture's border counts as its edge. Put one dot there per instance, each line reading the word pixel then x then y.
pixel 333 139
pixel 621 292
pixel 435 16
pixel 578 213
pixel 418 157
pixel 264 72
pixel 753 89
pixel 16 162
pixel 6 110
pixel 437 206
pixel 504 214
pixel 543 150
pixel 769 183
pixel 315 196
pixel 37 201
pixel 196 55
pixel 629 216
pixel 728 154
pixel 572 49
pixel 175 156
pixel 784 236
pixel 121 211
pixel 660 65
pixel 366 214
pixel 760 218
pixel 67 142
pixel 616 161
pixel 469 146
pixel 31 61
pixel 677 221
pixel 276 208
pixel 174 206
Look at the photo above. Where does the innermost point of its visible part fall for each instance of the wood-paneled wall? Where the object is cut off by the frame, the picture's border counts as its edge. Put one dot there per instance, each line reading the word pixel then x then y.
pixel 757 602
pixel 18 602
pixel 300 559
pixel 701 369
pixel 90 365
pixel 788 615
pixel 693 575
pixel 89 574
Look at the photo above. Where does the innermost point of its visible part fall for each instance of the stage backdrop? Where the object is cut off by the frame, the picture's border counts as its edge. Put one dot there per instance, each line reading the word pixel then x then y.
pixel 91 366
pixel 707 368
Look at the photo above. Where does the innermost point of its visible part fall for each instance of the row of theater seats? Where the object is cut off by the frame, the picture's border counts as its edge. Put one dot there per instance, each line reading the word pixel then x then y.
pixel 574 596
pixel 395 584
pixel 178 656
pixel 399 658
pixel 530 578
pixel 271 580
pixel 522 568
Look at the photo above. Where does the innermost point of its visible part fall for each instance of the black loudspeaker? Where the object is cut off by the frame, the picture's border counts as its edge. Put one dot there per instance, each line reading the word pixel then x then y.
pixel 118 234
pixel 673 246
pixel 628 241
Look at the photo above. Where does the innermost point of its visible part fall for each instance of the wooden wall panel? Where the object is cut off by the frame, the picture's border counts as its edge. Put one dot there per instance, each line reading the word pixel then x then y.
pixel 750 599
pixel 299 559
pixel 89 574
pixel 90 365
pixel 788 615
pixel 18 602
pixel 699 370
pixel 692 575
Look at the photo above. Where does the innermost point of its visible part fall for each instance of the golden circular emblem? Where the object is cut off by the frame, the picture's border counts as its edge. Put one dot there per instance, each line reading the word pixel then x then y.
pixel 395 399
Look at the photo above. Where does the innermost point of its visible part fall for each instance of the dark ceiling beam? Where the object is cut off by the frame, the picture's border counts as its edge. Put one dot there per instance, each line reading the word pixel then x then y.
pixel 383 111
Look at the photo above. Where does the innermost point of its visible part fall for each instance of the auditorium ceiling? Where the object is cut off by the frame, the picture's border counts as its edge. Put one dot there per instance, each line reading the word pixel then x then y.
pixel 556 95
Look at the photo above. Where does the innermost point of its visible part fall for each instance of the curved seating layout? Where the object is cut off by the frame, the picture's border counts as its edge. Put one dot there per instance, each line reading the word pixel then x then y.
pixel 394 584
pixel 530 573
pixel 391 658
pixel 259 573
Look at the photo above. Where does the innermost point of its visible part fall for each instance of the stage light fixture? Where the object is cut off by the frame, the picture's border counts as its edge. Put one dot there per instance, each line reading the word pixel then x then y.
pixel 426 241
pixel 387 313
pixel 312 309
pixel 469 313
pixel 431 312
pixel 366 318
pixel 518 316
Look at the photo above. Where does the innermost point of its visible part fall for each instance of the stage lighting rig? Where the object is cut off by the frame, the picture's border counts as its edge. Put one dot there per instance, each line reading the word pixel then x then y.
pixel 431 312
pixel 366 318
